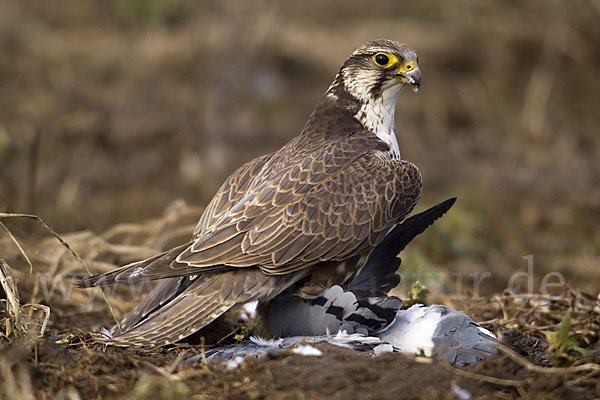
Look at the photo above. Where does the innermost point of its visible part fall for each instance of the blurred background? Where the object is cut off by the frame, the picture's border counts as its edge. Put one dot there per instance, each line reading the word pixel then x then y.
pixel 112 110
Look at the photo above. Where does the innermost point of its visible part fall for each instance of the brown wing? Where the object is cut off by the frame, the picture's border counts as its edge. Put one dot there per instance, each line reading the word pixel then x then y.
pixel 306 204
pixel 331 205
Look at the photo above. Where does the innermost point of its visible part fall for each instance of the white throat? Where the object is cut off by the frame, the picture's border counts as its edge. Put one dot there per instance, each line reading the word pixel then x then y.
pixel 377 115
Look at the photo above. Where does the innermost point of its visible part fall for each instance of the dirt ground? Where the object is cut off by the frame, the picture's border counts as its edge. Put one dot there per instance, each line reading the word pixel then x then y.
pixel 84 368
pixel 109 111
pixel 76 365
pixel 338 373
pixel 81 367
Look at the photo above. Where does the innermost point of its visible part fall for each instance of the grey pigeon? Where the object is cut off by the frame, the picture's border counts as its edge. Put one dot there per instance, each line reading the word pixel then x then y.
pixel 436 330
pixel 439 330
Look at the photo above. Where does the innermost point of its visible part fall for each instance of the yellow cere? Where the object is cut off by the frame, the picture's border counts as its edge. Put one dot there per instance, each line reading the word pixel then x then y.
pixel 392 59
pixel 409 66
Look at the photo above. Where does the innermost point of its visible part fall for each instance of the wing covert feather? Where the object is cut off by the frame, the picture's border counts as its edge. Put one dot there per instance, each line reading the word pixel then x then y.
pixel 325 207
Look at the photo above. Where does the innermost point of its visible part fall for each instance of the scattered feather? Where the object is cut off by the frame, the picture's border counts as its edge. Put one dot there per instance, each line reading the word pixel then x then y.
pixel 234 363
pixel 461 393
pixel 307 350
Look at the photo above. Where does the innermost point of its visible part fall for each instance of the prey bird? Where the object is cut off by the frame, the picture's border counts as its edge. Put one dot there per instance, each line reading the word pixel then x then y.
pixel 300 220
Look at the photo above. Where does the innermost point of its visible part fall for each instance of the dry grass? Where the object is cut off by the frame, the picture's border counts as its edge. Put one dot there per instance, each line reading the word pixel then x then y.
pixel 19 320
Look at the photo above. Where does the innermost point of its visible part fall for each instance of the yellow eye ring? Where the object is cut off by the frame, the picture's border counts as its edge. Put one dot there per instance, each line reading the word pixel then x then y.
pixel 384 60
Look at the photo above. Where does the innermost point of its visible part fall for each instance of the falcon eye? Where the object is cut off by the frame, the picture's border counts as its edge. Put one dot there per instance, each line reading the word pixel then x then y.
pixel 382 59
pixel 385 60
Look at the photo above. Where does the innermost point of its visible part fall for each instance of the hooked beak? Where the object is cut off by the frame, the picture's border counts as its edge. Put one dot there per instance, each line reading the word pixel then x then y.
pixel 413 77
pixel 410 73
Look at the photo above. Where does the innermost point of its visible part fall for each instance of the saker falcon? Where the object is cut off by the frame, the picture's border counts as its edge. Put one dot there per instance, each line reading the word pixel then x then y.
pixel 301 219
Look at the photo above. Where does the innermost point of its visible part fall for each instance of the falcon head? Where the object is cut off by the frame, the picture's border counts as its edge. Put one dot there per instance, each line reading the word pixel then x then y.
pixel 369 83
pixel 379 69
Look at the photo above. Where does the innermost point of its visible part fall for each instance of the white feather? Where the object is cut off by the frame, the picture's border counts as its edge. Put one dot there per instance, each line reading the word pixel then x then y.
pixel 412 330
pixel 307 350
